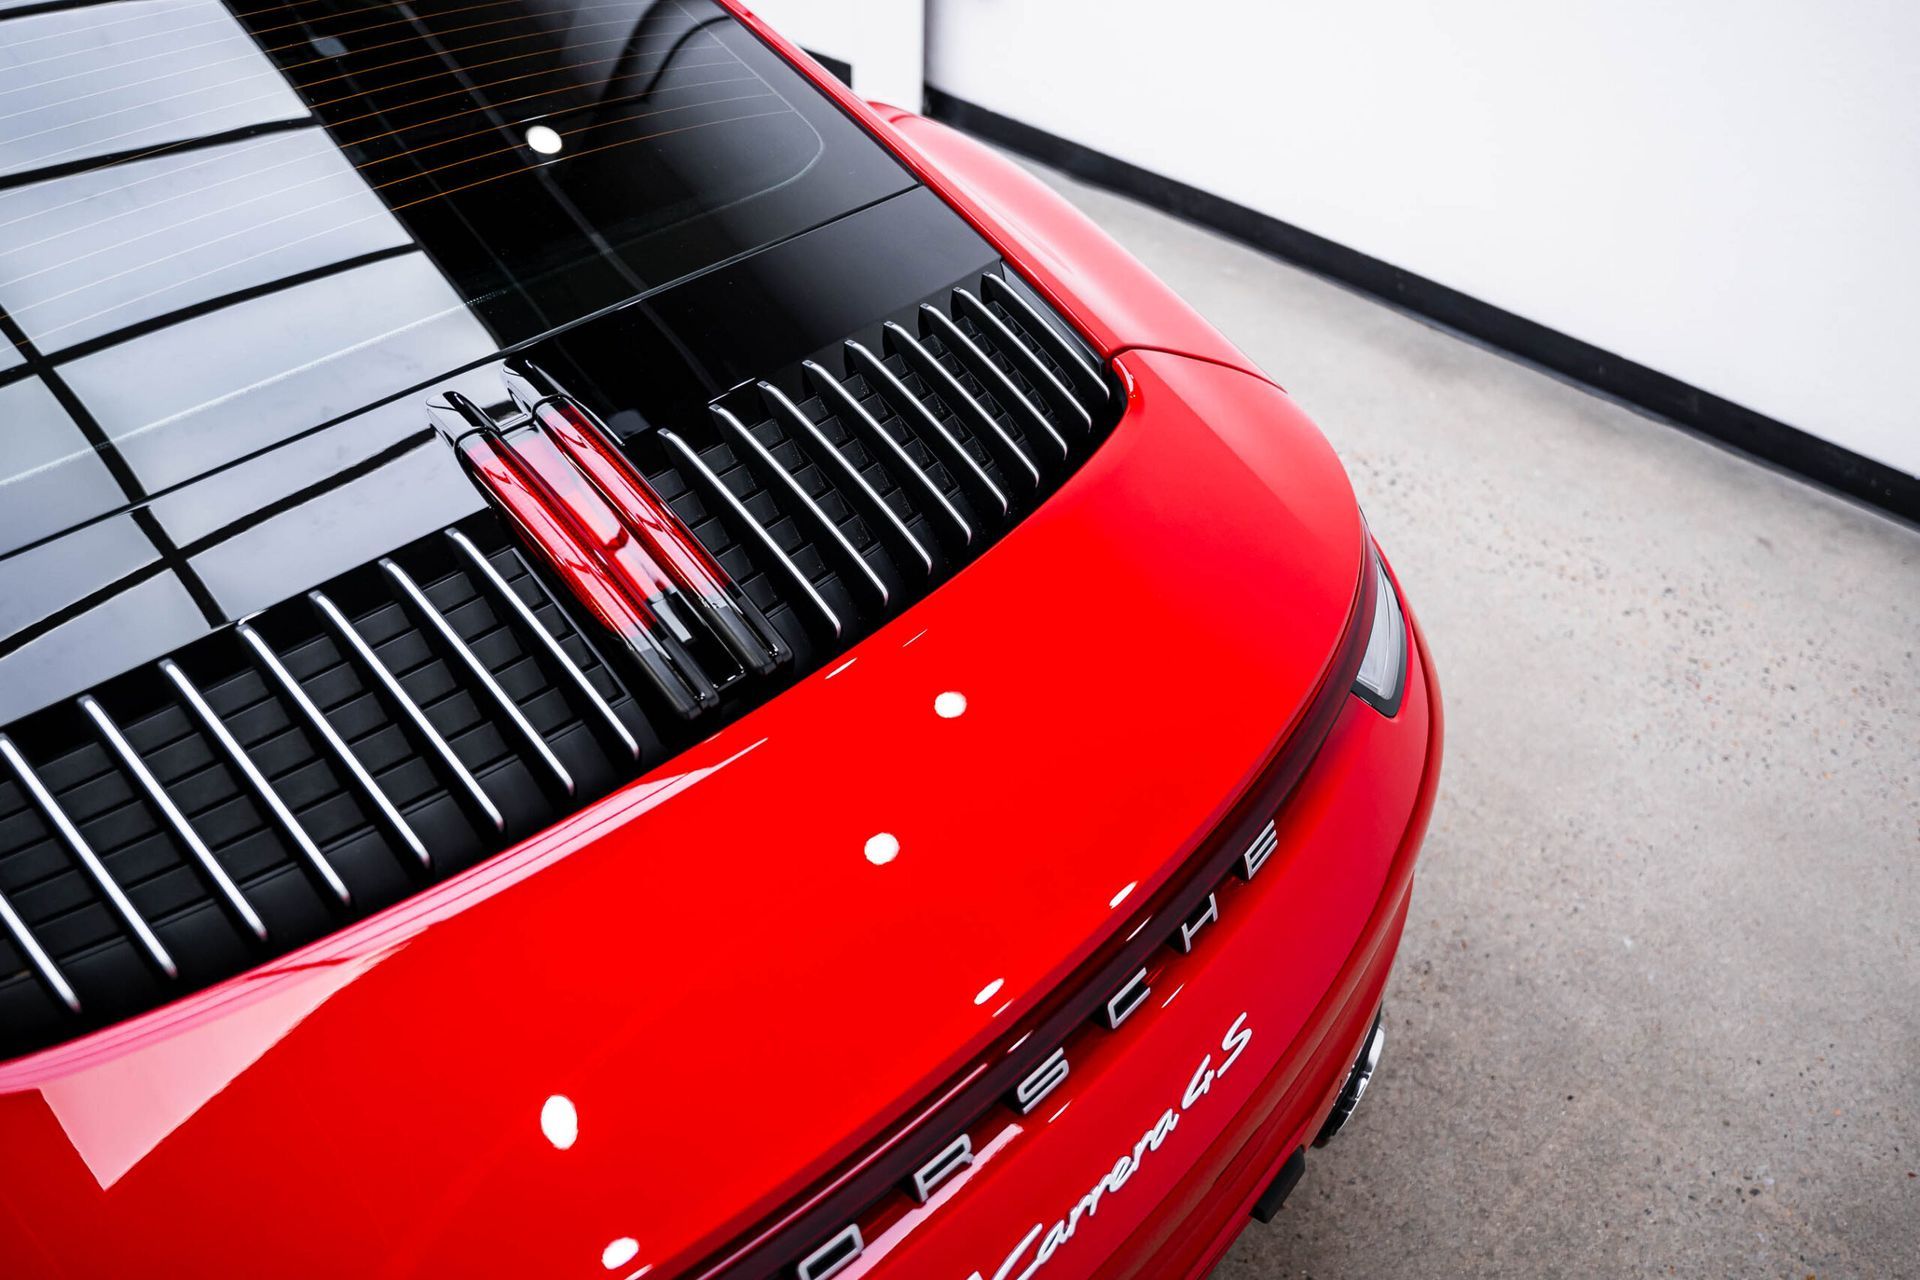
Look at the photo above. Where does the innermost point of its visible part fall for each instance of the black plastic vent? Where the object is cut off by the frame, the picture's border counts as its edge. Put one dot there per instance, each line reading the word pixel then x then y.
pixel 843 489
pixel 318 762
pixel 337 753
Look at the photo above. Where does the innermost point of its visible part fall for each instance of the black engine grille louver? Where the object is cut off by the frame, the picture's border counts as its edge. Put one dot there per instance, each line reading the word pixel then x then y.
pixel 309 766
pixel 839 494
pixel 342 750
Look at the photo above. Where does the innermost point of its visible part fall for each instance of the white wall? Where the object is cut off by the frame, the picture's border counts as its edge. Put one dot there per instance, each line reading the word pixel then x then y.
pixel 883 40
pixel 1727 191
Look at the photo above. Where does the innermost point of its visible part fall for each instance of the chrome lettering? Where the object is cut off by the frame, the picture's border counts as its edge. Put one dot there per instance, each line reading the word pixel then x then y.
pixel 833 1257
pixel 1257 853
pixel 1040 1082
pixel 1235 1042
pixel 1013 1259
pixel 1122 1003
pixel 1207 915
pixel 1202 1081
pixel 1053 1238
pixel 956 1156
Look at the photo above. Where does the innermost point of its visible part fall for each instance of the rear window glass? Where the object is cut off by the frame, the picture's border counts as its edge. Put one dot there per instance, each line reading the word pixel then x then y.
pixel 222 226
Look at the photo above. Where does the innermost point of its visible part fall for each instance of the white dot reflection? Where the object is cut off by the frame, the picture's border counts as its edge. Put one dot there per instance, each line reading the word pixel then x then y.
pixel 544 140
pixel 619 1253
pixel 989 991
pixel 882 849
pixel 950 705
pixel 560 1121
pixel 1121 896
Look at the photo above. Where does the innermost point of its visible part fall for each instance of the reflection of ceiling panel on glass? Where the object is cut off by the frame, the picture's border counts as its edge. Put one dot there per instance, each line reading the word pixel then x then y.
pixel 151 617
pixel 111 78
pixel 351 522
pixel 211 300
pixel 50 477
pixel 215 506
pixel 94 252
pixel 559 156
pixel 38 583
pixel 285 362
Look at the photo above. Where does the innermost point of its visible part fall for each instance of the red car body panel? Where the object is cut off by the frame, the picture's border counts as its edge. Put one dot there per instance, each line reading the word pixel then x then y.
pixel 661 945
pixel 1307 986
pixel 735 999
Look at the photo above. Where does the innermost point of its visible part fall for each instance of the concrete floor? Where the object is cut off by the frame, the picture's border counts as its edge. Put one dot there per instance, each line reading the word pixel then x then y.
pixel 1657 1011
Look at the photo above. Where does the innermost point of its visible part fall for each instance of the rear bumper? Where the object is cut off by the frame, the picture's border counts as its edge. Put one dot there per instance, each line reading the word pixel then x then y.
pixel 1366 1064
pixel 1147 1163
pixel 1196 1224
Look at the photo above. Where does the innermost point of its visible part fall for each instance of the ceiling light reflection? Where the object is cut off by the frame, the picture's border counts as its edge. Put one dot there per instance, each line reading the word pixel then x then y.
pixel 560 1121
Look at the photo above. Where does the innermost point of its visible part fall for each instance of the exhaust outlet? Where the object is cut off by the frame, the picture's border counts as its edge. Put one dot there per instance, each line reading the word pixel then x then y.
pixel 1358 1079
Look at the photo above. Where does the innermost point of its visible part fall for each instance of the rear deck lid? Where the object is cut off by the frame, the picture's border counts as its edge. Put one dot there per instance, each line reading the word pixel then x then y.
pixel 629 1039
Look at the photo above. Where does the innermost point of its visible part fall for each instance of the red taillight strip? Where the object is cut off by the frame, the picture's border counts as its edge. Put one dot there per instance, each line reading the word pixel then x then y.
pixel 546 533
pixel 583 541
pixel 580 502
pixel 709 591
pixel 664 532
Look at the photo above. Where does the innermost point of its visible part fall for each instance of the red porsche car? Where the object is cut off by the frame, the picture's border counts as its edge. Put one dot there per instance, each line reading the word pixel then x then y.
pixel 614 662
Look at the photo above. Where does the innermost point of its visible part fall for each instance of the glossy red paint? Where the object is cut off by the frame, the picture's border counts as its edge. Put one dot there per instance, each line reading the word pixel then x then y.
pixel 639 958
pixel 572 528
pixel 733 994
pixel 664 535
pixel 1348 839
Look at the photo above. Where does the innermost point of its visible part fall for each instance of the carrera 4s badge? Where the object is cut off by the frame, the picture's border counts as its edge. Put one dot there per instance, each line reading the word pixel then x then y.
pixel 944 1165
pixel 1051 1238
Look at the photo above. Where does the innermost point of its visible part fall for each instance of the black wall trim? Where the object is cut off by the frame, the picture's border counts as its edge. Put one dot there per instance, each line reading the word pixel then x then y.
pixel 1656 393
